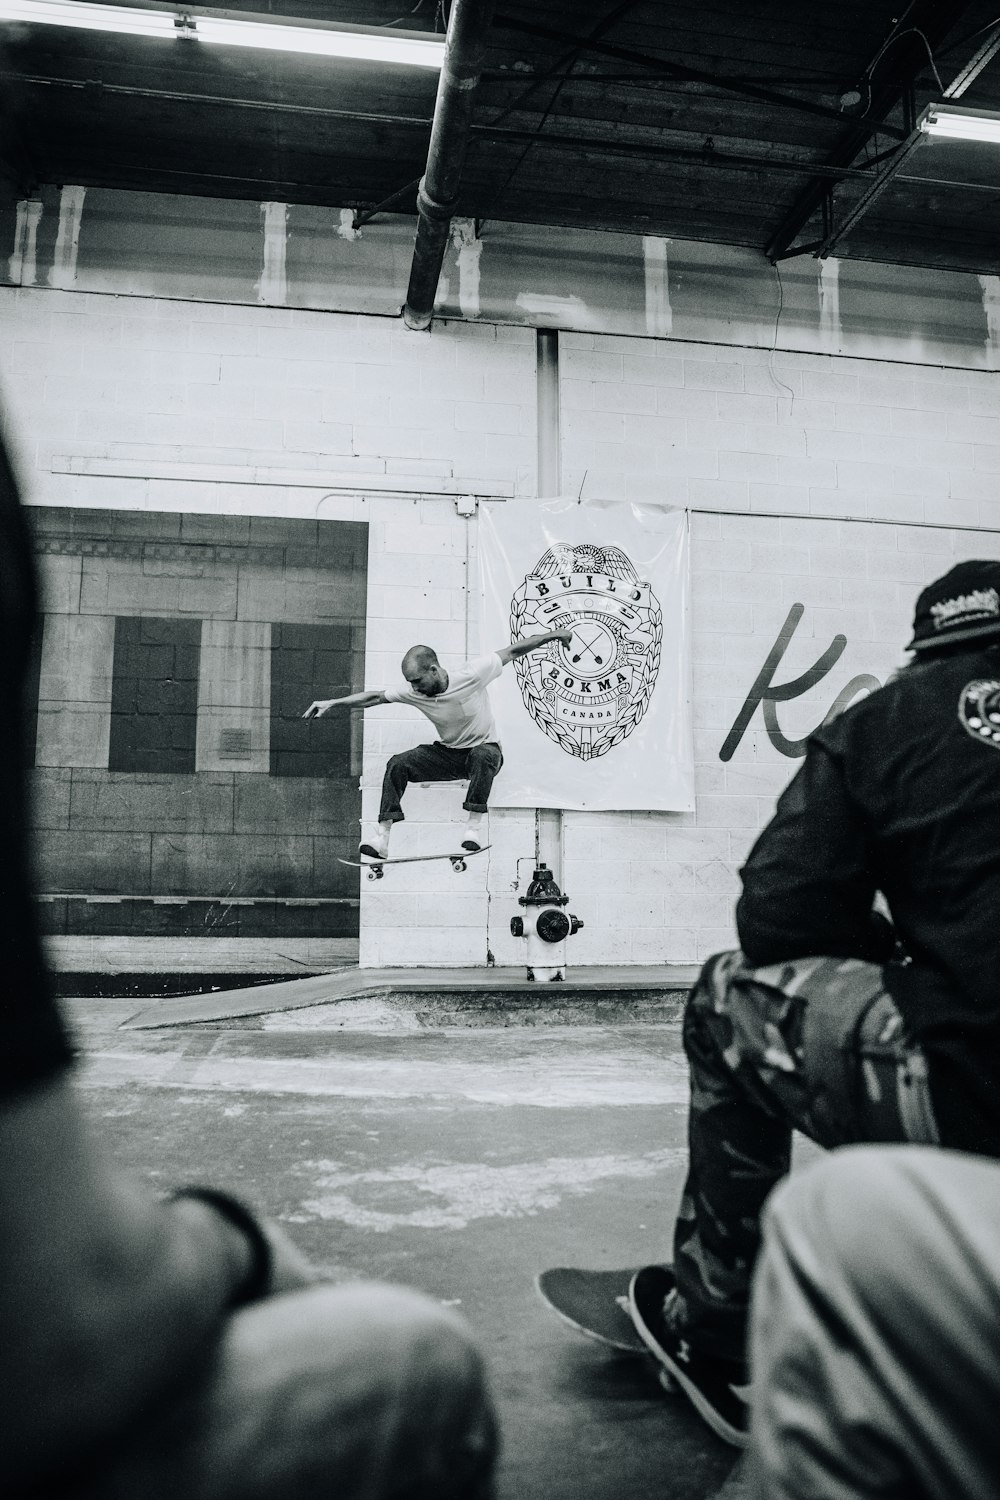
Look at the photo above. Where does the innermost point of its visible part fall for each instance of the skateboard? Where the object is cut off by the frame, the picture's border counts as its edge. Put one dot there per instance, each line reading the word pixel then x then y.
pixel 595 1303
pixel 375 867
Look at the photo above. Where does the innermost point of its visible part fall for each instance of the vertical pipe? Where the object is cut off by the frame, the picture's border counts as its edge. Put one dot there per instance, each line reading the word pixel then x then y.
pixel 437 196
pixel 548 820
pixel 549 455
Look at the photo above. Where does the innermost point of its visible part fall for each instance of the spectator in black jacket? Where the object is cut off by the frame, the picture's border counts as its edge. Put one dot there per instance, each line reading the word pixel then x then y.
pixel 832 1019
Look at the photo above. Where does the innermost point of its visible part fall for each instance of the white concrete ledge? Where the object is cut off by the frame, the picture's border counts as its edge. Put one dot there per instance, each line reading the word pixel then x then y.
pixel 441 992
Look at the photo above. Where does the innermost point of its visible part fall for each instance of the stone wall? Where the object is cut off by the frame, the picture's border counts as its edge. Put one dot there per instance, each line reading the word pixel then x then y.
pixel 176 788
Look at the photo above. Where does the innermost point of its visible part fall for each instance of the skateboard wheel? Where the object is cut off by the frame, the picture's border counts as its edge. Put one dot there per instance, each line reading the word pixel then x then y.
pixel 458 865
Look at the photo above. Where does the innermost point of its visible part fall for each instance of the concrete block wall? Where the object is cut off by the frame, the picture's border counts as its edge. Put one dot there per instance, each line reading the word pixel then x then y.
pixel 839 485
pixel 223 388
pixel 216 411
pixel 138 795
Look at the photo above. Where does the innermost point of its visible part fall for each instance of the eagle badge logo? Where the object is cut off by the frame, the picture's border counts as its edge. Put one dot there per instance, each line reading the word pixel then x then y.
pixel 589 696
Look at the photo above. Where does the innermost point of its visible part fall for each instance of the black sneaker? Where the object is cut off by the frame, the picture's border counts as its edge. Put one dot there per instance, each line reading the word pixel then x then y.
pixel 717 1388
pixel 370 852
pixel 471 845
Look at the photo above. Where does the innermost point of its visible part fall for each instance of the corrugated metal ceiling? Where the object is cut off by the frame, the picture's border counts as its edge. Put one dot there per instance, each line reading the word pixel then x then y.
pixel 728 121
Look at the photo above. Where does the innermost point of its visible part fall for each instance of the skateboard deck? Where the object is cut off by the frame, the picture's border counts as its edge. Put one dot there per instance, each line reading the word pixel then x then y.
pixel 375 867
pixel 594 1303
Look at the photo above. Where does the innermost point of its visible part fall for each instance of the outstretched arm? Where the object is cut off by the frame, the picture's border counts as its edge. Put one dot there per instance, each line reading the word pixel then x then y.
pixel 532 642
pixel 369 699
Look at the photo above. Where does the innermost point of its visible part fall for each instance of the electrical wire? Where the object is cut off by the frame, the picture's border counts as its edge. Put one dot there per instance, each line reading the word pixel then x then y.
pixel 565 60
pixel 568 61
pixel 897 37
pixel 498 196
pixel 775 381
pixel 401 20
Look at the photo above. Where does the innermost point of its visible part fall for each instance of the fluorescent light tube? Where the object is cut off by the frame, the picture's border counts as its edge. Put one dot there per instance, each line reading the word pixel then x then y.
pixel 348 41
pixel 90 17
pixel 413 51
pixel 961 125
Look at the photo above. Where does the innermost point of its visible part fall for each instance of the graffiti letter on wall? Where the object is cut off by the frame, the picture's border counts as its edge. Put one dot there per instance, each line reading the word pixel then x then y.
pixel 765 693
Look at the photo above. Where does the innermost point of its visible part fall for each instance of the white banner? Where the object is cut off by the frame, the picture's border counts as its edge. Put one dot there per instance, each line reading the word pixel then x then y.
pixel 604 723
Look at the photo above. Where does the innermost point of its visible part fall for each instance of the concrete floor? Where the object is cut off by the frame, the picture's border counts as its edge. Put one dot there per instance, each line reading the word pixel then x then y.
pixel 461 1161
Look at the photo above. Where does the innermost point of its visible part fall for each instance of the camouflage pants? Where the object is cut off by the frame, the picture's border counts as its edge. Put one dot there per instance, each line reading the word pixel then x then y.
pixel 815 1045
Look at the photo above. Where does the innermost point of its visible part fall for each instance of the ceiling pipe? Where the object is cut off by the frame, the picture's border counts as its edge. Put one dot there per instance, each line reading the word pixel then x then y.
pixel 437 196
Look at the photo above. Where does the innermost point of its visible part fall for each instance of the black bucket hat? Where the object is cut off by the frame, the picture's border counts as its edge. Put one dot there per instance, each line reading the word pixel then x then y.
pixel 961 606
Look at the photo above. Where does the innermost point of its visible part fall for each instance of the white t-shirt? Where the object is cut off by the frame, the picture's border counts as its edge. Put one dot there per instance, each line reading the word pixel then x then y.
pixel 462 714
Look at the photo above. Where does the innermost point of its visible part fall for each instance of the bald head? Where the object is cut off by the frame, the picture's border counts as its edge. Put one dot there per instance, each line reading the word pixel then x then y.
pixel 416 659
pixel 424 672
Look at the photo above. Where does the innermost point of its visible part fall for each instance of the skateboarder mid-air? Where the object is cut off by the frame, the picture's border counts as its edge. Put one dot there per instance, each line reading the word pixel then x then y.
pixel 458 706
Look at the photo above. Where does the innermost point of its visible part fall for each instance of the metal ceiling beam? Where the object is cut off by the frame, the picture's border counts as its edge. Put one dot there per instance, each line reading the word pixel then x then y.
pixel 928 19
pixel 672 69
pixel 437 196
pixel 708 156
pixel 968 75
pixel 95 89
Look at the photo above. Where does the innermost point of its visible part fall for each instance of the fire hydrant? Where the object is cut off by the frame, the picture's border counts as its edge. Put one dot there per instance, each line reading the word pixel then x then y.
pixel 545 926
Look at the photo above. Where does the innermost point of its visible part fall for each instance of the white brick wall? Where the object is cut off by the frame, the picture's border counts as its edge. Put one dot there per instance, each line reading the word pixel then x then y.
pixel 160 382
pixel 809 483
pixel 801 471
pixel 107 377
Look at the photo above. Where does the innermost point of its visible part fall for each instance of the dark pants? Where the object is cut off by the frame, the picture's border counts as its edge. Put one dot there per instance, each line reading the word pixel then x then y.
pixel 816 1045
pixel 439 762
